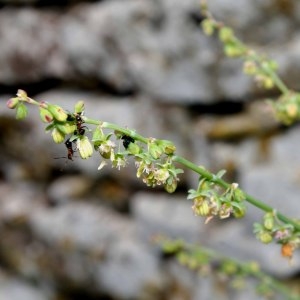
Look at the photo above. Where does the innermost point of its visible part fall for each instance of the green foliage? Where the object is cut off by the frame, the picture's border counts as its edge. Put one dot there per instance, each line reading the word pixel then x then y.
pixel 206 261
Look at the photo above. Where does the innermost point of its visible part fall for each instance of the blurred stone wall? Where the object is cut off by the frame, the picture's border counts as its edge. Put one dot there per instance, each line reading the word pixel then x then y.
pixel 72 232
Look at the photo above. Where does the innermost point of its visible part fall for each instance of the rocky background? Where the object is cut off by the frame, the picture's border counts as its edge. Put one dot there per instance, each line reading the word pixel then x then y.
pixel 69 231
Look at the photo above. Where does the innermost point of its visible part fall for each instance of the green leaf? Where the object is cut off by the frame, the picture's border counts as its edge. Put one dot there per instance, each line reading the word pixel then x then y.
pixel 22 111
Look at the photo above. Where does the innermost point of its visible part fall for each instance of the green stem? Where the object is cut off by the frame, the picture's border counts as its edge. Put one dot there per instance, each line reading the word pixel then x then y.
pixel 278 82
pixel 259 204
pixel 204 173
pixel 116 127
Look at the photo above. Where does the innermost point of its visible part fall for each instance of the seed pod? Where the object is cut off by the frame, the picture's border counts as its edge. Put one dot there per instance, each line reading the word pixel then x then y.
pixel 171 185
pixel 134 149
pixel 58 136
pixel 269 221
pixel 84 147
pixel 46 115
pixel 58 113
pixel 66 128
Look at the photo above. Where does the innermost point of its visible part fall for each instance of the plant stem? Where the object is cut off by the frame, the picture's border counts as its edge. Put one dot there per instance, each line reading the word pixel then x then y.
pixel 259 204
pixel 201 171
pixel 116 127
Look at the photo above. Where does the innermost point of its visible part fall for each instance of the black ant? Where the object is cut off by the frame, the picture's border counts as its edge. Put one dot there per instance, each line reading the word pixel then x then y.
pixel 79 121
pixel 127 140
pixel 70 149
pixel 69 146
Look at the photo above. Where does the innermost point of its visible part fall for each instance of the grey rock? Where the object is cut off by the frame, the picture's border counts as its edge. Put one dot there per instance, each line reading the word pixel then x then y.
pixel 151 46
pixel 168 215
pixel 14 289
pixel 68 187
pixel 129 268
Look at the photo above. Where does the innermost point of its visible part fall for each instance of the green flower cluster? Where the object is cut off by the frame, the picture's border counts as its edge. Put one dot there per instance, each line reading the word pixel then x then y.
pixel 271 229
pixel 210 200
pixel 64 126
pixel 235 273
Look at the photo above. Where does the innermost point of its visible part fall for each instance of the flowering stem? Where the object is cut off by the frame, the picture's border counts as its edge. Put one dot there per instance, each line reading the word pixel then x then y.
pixel 275 78
pixel 211 177
pixel 116 127
pixel 201 171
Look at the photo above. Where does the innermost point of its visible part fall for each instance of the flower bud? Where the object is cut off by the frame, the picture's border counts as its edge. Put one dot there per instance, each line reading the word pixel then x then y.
pixel 22 95
pixel 171 185
pixel 21 111
pixel 45 115
pixel 140 169
pixel 232 50
pixel 226 34
pixel 268 83
pixel 79 107
pixel 155 151
pixel 229 267
pixel 269 221
pixel 58 113
pixel 250 67
pixel 66 128
pixel 161 175
pixel 168 147
pixel 84 147
pixel 12 103
pixel 239 212
pixel 292 110
pixel 106 149
pixel 265 237
pixel 203 209
pixel 208 27
pixel 134 149
pixel 58 136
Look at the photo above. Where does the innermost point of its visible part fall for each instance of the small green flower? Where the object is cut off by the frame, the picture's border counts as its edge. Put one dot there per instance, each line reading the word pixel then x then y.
pixel 66 128
pixel 134 149
pixel 45 115
pixel 268 220
pixel 155 150
pixel 225 211
pixel 12 103
pixel 201 207
pixel 106 149
pixel 119 161
pixel 226 34
pixel 79 107
pixel 250 67
pixel 161 175
pixel 233 50
pixel 22 95
pixel 208 27
pixel 58 113
pixel 84 147
pixel 58 136
pixel 265 237
pixel 171 184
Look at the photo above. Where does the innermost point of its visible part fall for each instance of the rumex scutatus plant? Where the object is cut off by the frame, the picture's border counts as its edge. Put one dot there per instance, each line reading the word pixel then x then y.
pixel 157 162
pixel 230 271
